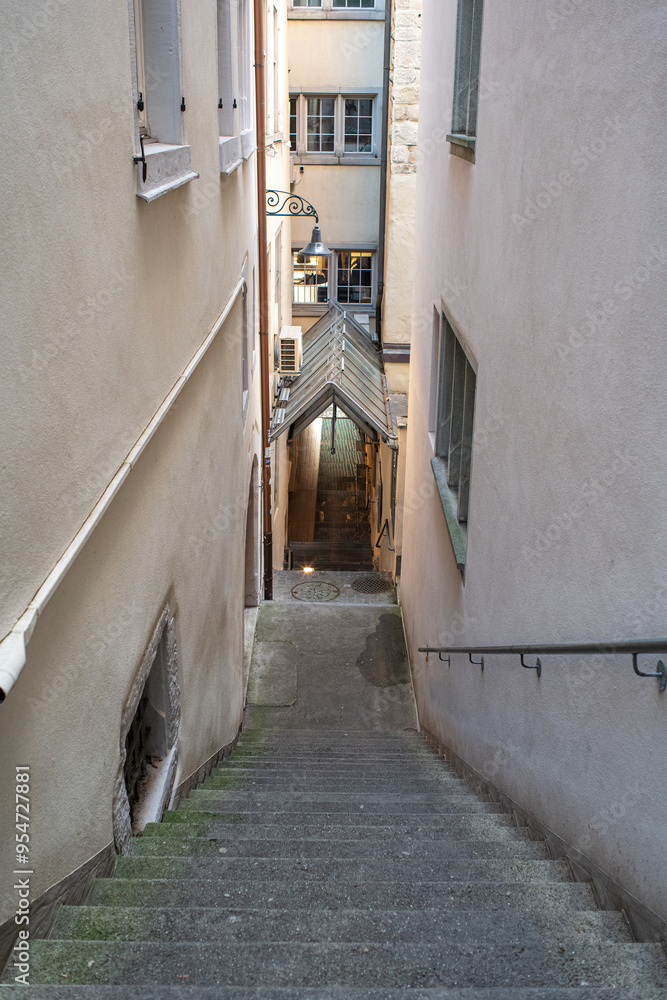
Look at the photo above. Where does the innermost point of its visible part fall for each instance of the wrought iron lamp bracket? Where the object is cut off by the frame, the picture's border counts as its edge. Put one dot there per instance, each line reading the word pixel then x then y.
pixel 286 204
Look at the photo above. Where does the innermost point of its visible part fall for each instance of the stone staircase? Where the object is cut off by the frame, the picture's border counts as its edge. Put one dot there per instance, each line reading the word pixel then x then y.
pixel 322 865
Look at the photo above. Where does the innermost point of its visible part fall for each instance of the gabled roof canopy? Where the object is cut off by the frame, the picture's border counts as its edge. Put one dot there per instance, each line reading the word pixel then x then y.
pixel 341 366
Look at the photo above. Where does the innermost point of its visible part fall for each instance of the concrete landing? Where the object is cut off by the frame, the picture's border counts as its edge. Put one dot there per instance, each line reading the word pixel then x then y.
pixel 347 656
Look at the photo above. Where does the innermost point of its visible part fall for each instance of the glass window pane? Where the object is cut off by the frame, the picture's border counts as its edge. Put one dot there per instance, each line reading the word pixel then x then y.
pixel 328 105
pixel 365 107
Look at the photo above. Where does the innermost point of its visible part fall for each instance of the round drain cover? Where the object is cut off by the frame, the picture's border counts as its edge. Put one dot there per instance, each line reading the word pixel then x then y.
pixel 371 585
pixel 315 591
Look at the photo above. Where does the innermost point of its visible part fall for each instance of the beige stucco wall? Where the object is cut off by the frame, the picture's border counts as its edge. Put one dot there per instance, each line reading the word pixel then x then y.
pixel 335 53
pixel 549 253
pixel 105 300
pixel 347 199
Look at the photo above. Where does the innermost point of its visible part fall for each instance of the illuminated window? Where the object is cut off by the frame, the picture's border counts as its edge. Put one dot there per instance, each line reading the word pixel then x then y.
pixel 354 277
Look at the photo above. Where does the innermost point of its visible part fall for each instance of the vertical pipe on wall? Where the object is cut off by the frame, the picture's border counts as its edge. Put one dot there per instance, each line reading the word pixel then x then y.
pixel 389 11
pixel 260 115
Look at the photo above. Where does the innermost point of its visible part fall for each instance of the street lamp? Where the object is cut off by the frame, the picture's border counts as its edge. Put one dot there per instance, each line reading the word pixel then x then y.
pixel 286 204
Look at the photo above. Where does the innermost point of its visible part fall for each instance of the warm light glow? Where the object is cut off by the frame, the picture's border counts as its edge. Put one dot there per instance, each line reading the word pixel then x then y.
pixel 308 569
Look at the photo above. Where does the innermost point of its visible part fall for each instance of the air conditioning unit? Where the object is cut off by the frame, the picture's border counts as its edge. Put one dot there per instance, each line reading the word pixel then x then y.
pixel 290 346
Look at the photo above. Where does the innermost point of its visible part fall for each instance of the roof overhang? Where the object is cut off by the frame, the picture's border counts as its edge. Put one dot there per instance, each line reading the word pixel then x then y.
pixel 341 366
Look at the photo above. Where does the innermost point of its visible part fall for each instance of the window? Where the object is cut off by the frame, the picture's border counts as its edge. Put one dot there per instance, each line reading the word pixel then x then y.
pixel 339 125
pixel 358 125
pixel 225 68
pixel 355 5
pixel 367 4
pixel 320 130
pixel 306 3
pixel 466 73
pixel 454 436
pixel 158 70
pixel 245 63
pixel 311 280
pixel 292 124
pixel 354 277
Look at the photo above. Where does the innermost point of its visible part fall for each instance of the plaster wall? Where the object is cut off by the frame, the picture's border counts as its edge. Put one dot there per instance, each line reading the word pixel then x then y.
pixel 549 254
pixel 105 300
pixel 348 202
pixel 335 54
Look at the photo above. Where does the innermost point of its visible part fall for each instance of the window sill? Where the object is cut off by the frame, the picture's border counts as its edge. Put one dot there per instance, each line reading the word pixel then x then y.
pixel 248 142
pixel 345 14
pixel 167 168
pixel 462 145
pixel 457 534
pixel 330 160
pixel 230 154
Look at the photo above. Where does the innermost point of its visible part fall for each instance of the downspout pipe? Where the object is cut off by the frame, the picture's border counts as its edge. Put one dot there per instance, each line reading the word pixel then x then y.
pixel 382 229
pixel 260 116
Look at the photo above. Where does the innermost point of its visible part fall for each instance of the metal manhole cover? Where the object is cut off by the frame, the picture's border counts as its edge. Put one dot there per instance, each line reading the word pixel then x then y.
pixel 371 585
pixel 315 591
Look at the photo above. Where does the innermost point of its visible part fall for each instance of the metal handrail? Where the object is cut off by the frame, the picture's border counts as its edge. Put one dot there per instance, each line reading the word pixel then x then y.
pixel 635 647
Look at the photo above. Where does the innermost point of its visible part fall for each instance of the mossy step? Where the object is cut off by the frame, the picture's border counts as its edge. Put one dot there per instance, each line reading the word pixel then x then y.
pixel 333 894
pixel 231 870
pixel 126 992
pixel 215 800
pixel 350 785
pixel 395 849
pixel 435 926
pixel 360 964
pixel 500 826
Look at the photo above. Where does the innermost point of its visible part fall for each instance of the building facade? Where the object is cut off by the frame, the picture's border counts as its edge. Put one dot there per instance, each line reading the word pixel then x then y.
pixel 131 532
pixel 533 504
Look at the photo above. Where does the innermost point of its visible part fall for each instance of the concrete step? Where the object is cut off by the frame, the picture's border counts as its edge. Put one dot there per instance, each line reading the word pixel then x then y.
pixel 435 926
pixel 229 781
pixel 558 897
pixel 126 992
pixel 391 851
pixel 487 826
pixel 318 802
pixel 360 964
pixel 231 870
pixel 354 768
pixel 338 814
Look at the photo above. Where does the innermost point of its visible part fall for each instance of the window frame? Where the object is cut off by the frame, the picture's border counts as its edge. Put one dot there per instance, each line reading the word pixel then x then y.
pixel 339 155
pixel 332 281
pixel 326 9
pixel 454 433
pixel 465 99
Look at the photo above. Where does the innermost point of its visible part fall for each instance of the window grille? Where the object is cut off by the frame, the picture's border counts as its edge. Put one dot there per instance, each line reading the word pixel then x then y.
pixel 292 124
pixel 354 277
pixel 456 411
pixel 358 125
pixel 311 280
pixel 320 128
pixel 466 73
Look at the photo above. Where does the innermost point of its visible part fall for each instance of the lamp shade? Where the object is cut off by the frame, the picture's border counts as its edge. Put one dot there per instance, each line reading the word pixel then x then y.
pixel 316 247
